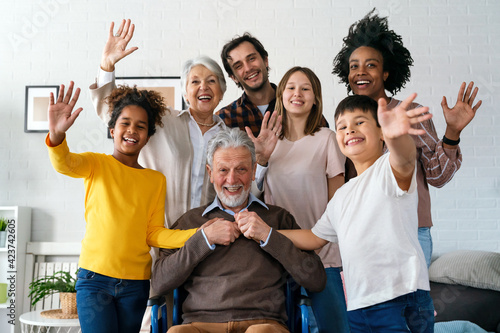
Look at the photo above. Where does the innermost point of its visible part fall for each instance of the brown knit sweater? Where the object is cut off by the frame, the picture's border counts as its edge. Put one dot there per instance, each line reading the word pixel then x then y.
pixel 242 281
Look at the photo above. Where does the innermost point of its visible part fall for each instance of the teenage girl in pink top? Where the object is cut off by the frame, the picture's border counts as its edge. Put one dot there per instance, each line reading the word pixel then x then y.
pixel 304 170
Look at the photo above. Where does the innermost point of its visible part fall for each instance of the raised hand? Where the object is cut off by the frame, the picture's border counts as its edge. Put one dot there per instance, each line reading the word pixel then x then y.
pixel 60 114
pixel 268 137
pixel 252 226
pixel 397 121
pixel 116 46
pixel 462 113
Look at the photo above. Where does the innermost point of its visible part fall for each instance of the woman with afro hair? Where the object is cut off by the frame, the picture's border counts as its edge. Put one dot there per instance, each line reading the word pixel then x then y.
pixel 124 208
pixel 373 61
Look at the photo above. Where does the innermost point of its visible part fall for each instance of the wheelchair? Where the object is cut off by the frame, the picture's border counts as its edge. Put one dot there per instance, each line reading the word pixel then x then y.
pixel 296 309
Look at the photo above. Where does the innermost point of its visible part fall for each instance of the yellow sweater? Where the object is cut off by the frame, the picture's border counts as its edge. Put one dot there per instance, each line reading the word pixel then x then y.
pixel 124 211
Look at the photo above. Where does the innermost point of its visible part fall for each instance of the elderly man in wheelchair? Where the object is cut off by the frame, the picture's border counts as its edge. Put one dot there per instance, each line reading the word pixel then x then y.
pixel 234 270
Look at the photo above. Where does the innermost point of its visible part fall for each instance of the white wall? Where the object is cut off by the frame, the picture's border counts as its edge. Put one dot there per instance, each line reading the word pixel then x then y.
pixel 50 42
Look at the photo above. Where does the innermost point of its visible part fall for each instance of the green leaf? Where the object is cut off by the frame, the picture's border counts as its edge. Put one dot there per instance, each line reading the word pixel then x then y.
pixel 58 282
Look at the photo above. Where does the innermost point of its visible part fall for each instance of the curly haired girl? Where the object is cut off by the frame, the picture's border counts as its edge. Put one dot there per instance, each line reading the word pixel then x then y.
pixel 124 209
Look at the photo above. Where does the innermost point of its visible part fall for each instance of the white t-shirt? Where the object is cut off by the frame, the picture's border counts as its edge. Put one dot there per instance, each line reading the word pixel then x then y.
pixel 376 225
pixel 296 180
pixel 262 108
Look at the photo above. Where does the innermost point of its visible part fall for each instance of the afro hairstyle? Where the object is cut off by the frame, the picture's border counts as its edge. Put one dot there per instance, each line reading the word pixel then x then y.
pixel 373 31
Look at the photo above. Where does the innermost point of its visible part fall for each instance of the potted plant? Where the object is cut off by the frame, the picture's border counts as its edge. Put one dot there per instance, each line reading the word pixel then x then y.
pixel 3 233
pixel 59 282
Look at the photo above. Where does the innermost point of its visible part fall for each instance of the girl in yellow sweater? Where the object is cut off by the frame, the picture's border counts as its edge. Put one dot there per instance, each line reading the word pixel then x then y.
pixel 124 208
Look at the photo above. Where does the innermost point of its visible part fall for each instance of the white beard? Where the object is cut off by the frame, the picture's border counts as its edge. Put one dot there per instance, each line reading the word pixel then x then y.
pixel 233 201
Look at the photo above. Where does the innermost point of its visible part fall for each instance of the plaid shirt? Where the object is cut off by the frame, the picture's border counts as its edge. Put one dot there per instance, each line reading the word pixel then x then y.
pixel 242 112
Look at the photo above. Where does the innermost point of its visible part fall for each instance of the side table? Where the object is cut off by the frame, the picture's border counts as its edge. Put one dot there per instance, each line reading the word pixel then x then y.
pixel 33 322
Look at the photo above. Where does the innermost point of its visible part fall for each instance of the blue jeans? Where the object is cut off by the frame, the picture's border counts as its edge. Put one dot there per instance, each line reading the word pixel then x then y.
pixel 425 240
pixel 413 312
pixel 328 306
pixel 106 304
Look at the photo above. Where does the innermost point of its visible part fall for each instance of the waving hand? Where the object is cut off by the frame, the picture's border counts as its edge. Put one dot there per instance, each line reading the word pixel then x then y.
pixel 462 113
pixel 61 115
pixel 116 46
pixel 268 137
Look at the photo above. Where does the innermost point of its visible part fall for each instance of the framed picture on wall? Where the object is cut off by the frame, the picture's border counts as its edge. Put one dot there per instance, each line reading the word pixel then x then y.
pixel 36 104
pixel 168 86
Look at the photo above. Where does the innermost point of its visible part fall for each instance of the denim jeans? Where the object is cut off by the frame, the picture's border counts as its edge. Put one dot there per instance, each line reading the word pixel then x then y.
pixel 413 312
pixel 107 305
pixel 425 240
pixel 328 306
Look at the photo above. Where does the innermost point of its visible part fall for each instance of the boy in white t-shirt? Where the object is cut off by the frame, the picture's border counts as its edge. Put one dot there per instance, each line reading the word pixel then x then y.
pixel 373 217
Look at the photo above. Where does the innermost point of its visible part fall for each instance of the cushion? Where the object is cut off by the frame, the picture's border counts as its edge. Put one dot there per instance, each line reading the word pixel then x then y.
pixel 456 302
pixel 478 269
pixel 457 326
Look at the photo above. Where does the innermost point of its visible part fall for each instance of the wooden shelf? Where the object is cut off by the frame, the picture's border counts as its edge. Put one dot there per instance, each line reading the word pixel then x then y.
pixel 22 234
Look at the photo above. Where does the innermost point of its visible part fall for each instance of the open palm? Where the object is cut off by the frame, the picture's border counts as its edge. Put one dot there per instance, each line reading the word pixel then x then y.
pixel 463 112
pixel 398 121
pixel 268 137
pixel 116 46
pixel 60 114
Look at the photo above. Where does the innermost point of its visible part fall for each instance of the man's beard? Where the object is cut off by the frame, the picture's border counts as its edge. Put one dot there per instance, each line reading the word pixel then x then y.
pixel 257 88
pixel 265 80
pixel 233 201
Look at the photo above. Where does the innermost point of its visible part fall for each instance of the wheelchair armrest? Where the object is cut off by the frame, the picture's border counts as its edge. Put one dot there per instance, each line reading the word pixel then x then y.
pixel 303 303
pixel 304 300
pixel 156 300
pixel 158 304
pixel 158 324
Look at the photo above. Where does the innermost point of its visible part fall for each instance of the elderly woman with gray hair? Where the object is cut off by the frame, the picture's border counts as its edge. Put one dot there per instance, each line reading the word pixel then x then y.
pixel 178 150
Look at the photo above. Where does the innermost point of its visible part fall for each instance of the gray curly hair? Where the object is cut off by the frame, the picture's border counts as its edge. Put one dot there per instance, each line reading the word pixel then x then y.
pixel 229 138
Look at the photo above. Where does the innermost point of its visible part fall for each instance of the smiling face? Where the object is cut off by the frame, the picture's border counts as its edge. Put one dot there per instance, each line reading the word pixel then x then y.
pixel 232 174
pixel 358 136
pixel 248 67
pixel 130 133
pixel 203 91
pixel 366 72
pixel 298 96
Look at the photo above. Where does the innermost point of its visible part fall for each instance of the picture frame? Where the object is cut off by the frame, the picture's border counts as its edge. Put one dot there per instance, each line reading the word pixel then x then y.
pixel 168 86
pixel 36 104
